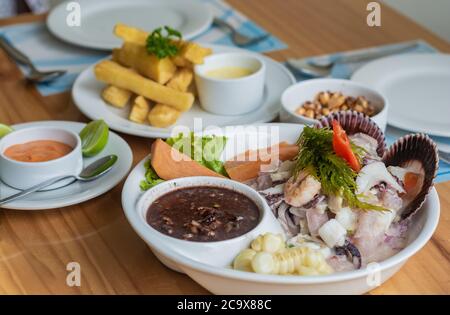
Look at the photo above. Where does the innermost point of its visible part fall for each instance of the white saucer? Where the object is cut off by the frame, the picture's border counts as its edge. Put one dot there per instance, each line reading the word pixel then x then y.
pixel 76 192
pixel 417 88
pixel 86 94
pixel 98 18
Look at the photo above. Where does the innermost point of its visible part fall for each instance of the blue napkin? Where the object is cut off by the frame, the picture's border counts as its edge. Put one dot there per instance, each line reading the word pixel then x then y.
pixel 345 70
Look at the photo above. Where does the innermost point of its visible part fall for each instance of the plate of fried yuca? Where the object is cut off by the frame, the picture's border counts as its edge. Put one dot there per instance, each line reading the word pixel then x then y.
pixel 146 88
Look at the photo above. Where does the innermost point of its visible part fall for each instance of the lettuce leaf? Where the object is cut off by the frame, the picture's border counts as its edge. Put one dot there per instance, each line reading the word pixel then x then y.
pixel 205 150
pixel 151 178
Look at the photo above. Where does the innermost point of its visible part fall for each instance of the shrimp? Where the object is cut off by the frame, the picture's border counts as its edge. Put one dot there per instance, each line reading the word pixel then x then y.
pixel 301 189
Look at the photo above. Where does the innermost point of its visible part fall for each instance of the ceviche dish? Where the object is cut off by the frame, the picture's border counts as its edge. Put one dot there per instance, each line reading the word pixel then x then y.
pixel 342 198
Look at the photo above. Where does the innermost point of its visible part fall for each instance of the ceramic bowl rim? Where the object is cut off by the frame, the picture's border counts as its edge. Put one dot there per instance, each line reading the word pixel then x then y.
pixel 261 69
pixel 184 182
pixel 76 150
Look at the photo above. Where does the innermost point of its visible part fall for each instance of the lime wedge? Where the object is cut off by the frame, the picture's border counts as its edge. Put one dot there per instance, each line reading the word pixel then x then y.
pixel 94 137
pixel 4 130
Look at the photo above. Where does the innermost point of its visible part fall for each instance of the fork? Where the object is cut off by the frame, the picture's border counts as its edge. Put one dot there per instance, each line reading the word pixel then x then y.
pixel 322 67
pixel 238 38
pixel 35 75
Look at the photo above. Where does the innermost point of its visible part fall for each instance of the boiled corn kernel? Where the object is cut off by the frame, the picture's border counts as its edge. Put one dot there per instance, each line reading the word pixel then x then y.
pixel 268 242
pixel 269 255
pixel 263 263
pixel 243 261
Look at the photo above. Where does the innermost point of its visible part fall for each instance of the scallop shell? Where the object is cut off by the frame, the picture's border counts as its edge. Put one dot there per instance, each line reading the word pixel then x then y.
pixel 353 122
pixel 418 153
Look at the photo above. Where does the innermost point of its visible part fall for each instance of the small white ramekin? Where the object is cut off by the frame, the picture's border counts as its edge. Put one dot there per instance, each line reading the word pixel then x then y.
pixel 231 96
pixel 219 253
pixel 23 175
pixel 297 94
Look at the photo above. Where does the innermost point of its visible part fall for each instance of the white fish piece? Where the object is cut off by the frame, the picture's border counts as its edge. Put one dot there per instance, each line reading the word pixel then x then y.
pixel 278 189
pixel 303 240
pixel 333 233
pixel 301 190
pixel 278 176
pixel 335 203
pixel 398 172
pixel 373 174
pixel 366 142
pixel 370 233
pixel 347 218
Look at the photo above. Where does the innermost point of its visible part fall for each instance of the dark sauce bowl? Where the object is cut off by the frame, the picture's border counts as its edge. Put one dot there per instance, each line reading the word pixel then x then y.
pixel 213 252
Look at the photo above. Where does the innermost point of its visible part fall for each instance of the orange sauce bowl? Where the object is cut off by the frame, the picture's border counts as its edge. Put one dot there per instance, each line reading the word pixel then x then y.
pixel 32 155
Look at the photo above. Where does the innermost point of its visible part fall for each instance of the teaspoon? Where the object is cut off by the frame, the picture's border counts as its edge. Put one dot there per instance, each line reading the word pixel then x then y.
pixel 89 173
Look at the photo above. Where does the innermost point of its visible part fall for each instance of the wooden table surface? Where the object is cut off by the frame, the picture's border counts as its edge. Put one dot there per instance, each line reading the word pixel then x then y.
pixel 35 247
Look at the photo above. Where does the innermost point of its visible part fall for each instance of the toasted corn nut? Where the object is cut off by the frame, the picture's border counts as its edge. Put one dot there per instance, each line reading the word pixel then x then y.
pixel 310 113
pixel 336 100
pixel 308 105
pixel 359 108
pixel 327 102
pixel 324 98
pixel 301 111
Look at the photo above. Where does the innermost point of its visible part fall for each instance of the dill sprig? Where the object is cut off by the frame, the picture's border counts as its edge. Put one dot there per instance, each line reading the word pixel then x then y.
pixel 316 155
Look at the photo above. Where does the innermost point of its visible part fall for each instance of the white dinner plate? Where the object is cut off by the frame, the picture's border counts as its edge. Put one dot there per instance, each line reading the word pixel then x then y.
pixel 220 280
pixel 98 18
pixel 86 94
pixel 417 87
pixel 76 192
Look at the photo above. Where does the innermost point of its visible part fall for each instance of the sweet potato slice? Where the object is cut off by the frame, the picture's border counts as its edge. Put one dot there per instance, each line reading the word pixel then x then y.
pixel 247 165
pixel 170 163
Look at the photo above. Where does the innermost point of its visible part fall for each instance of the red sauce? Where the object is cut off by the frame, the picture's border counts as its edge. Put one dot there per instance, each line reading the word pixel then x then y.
pixel 38 151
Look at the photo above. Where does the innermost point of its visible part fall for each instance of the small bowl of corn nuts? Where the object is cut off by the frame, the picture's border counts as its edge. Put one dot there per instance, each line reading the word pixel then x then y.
pixel 307 101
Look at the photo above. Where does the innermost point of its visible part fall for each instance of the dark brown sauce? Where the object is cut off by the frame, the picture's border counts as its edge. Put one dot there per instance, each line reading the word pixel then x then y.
pixel 203 214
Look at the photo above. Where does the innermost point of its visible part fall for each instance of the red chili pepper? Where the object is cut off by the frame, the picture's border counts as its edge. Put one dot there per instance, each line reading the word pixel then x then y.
pixel 343 148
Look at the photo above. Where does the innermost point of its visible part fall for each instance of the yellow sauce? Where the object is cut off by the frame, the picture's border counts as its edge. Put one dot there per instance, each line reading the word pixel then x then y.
pixel 38 151
pixel 229 73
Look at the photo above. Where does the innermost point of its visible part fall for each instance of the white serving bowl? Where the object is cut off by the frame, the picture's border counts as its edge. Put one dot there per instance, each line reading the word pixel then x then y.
pixel 23 175
pixel 223 280
pixel 230 96
pixel 219 253
pixel 297 94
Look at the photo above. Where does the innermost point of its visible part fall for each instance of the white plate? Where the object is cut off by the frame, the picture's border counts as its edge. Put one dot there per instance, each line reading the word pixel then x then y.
pixel 98 18
pixel 220 280
pixel 86 94
pixel 76 192
pixel 417 89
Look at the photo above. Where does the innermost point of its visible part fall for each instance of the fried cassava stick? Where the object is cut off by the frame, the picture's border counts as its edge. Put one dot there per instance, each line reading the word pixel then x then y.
pixel 137 57
pixel 112 73
pixel 130 34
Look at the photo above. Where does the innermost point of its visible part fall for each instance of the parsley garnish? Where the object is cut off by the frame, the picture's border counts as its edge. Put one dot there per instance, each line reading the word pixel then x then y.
pixel 317 156
pixel 163 46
